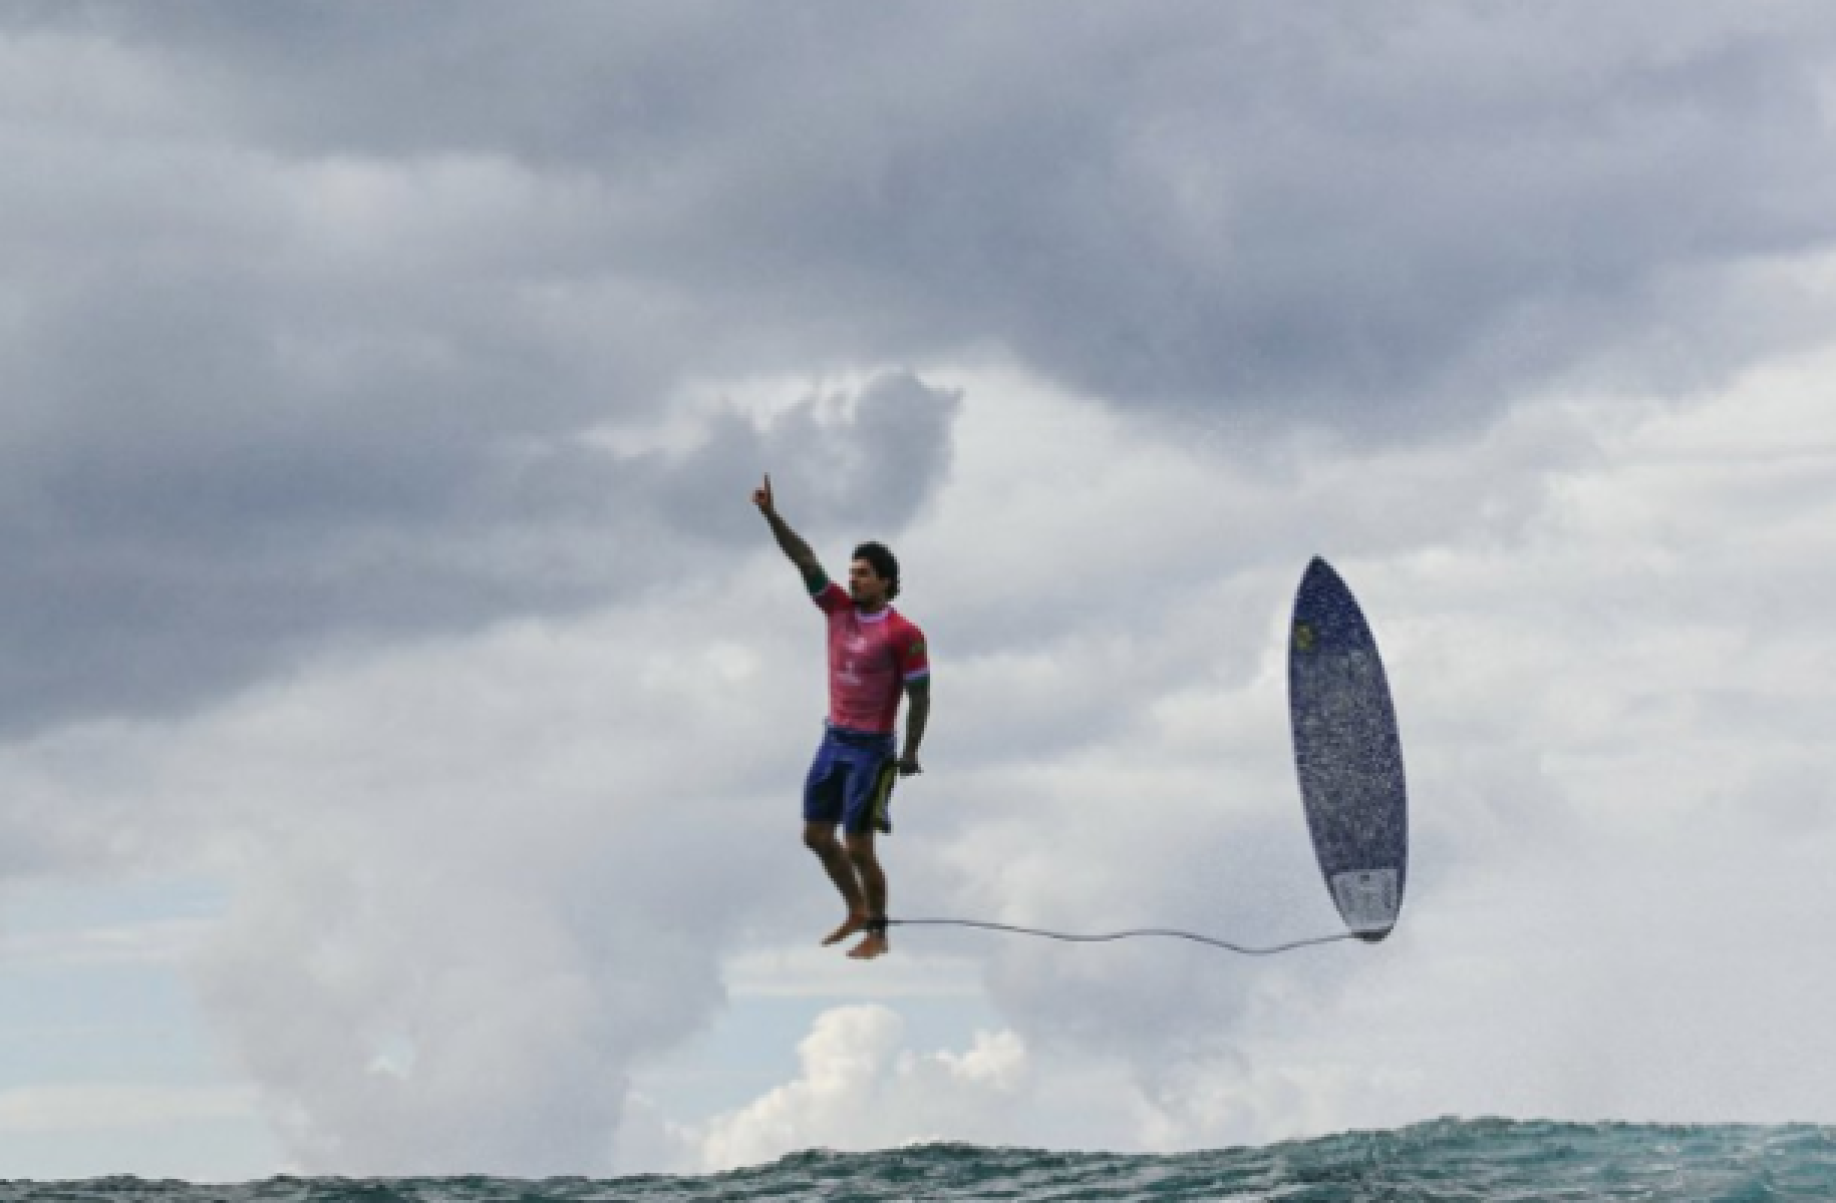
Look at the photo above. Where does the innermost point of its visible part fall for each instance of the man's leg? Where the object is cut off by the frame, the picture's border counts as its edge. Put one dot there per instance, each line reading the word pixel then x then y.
pixel 820 839
pixel 873 884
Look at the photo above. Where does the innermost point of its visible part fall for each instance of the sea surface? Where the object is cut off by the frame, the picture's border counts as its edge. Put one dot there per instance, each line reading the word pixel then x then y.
pixel 1444 1160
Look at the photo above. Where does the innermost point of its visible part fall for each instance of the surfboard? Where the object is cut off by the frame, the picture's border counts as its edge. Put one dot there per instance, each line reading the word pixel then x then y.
pixel 1348 754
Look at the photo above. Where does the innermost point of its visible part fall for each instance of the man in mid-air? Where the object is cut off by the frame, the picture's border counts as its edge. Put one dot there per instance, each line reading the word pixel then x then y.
pixel 875 657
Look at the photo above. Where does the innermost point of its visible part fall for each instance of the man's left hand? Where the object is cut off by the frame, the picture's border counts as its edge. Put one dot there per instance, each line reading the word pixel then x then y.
pixel 909 766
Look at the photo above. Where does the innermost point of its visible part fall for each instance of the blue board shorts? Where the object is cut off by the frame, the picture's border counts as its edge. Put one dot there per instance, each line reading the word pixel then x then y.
pixel 851 781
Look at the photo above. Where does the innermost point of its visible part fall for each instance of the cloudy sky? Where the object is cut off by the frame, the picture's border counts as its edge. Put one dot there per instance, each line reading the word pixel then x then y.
pixel 403 710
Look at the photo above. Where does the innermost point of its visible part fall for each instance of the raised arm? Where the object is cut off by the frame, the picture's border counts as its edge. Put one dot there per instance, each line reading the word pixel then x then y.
pixel 788 539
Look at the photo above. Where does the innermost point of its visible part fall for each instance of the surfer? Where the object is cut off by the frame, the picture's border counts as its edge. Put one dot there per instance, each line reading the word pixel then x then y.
pixel 876 657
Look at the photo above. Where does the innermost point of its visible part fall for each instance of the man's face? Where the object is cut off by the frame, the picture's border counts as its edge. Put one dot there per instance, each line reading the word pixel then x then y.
pixel 865 586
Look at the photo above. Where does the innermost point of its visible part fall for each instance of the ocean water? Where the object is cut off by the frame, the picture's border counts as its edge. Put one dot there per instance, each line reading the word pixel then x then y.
pixel 1443 1161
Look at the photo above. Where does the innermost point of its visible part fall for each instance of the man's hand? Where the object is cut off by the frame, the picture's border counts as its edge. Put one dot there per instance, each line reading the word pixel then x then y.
pixel 788 540
pixel 909 766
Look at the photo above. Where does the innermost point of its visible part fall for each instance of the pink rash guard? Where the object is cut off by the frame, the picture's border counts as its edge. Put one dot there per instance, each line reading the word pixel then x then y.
pixel 871 657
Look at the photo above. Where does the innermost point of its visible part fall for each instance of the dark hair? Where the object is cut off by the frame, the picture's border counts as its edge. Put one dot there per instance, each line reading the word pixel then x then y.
pixel 885 566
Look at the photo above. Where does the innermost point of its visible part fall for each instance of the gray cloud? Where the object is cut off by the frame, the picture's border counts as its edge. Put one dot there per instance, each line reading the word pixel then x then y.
pixel 287 288
pixel 150 568
pixel 1347 213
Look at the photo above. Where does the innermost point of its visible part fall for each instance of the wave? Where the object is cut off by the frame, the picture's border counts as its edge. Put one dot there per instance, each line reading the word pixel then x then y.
pixel 1495 1160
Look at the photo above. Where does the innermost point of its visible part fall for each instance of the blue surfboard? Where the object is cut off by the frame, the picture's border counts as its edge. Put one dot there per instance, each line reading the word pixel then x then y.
pixel 1348 754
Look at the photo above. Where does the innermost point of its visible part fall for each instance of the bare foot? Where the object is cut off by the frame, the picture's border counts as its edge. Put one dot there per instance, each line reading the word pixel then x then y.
pixel 875 945
pixel 850 925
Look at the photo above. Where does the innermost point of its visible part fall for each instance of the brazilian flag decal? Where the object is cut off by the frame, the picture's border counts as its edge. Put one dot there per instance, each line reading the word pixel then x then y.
pixel 1303 637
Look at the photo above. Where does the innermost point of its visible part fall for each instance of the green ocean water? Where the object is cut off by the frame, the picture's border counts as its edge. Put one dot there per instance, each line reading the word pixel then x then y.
pixel 1442 1161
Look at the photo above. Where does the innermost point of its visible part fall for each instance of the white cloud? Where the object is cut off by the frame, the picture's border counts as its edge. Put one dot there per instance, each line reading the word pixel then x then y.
pixel 504 871
pixel 1603 625
pixel 504 866
pixel 860 1088
pixel 813 972
pixel 102 1108
pixel 169 942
